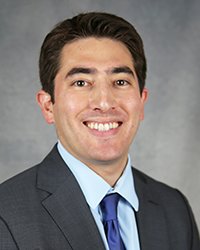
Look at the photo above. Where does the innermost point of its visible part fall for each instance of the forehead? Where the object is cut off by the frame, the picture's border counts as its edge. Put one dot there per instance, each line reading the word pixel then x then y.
pixel 96 51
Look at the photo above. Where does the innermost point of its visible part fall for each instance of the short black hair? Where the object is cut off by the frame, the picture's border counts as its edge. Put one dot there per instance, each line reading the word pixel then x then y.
pixel 92 24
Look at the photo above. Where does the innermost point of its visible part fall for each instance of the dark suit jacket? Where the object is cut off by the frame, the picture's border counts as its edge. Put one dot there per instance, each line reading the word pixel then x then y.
pixel 44 208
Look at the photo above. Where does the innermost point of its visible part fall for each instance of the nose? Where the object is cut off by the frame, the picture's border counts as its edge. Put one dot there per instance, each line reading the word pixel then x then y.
pixel 102 97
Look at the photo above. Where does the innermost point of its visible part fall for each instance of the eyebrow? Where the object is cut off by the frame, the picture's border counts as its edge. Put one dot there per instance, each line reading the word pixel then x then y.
pixel 122 69
pixel 80 70
pixel 115 70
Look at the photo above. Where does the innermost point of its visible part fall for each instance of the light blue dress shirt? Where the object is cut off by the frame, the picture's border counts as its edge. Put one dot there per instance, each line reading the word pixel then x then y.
pixel 95 188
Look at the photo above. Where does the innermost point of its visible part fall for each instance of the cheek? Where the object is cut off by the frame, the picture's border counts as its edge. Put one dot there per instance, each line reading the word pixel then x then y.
pixel 135 110
pixel 69 106
pixel 133 104
pixel 74 104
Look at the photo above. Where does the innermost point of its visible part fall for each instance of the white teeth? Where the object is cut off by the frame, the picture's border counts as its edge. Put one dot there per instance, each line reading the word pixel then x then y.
pixel 103 127
pixel 95 126
pixel 106 127
pixel 115 125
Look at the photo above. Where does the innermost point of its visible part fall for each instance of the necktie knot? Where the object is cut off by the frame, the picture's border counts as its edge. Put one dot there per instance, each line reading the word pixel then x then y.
pixel 109 206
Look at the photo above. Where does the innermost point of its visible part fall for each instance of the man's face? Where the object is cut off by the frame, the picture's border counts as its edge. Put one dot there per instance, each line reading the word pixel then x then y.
pixel 98 105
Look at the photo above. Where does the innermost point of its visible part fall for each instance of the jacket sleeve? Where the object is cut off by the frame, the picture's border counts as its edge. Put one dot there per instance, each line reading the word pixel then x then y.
pixel 7 241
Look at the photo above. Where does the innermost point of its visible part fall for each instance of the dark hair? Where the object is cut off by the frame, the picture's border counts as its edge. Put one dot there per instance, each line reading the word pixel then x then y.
pixel 92 24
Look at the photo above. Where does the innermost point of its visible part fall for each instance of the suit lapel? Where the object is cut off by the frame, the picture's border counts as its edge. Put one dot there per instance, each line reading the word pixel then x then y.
pixel 66 204
pixel 150 218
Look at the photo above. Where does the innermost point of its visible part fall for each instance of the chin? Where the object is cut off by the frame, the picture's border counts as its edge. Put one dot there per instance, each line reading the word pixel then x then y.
pixel 108 157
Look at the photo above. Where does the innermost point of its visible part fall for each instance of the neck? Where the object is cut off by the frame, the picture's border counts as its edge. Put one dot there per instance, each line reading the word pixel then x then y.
pixel 110 172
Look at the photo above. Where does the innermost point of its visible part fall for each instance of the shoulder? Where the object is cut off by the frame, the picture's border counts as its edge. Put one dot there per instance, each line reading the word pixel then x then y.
pixel 161 202
pixel 17 188
pixel 30 187
pixel 19 180
pixel 26 181
pixel 174 205
pixel 155 188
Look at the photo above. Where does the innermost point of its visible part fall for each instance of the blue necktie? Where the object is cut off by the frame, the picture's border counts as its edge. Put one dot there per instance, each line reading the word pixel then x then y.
pixel 109 210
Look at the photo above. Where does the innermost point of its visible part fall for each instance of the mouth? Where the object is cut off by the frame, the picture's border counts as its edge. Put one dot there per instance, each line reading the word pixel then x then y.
pixel 100 126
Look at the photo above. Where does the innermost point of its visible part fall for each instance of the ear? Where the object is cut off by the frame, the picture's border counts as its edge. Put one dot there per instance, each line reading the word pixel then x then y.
pixel 144 97
pixel 46 105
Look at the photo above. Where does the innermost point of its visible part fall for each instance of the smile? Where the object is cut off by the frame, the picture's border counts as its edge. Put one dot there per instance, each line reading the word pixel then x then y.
pixel 102 126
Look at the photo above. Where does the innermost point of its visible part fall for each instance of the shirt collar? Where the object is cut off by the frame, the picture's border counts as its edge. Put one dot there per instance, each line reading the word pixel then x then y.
pixel 95 187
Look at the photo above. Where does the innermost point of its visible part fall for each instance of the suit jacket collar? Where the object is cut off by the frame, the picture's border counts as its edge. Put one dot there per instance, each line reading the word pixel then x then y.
pixel 151 220
pixel 66 204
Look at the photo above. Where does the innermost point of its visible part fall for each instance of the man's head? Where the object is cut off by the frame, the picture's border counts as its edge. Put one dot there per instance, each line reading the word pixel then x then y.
pixel 94 24
pixel 93 72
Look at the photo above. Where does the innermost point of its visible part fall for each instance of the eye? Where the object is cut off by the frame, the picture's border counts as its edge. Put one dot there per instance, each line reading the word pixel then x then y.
pixel 121 82
pixel 80 83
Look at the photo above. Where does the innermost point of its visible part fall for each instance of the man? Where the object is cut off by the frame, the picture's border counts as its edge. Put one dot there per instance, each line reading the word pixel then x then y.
pixel 92 70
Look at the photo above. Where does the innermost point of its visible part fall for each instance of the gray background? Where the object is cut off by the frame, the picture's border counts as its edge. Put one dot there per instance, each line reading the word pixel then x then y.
pixel 167 146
